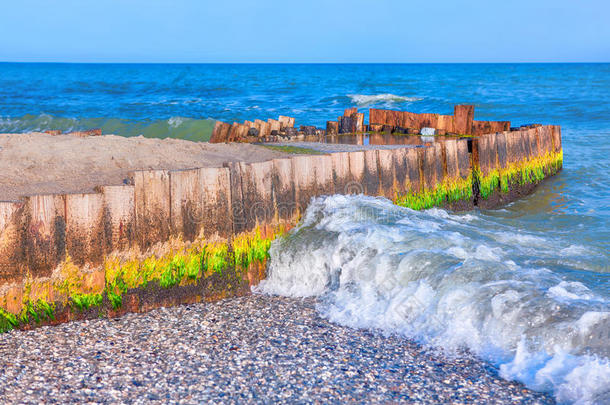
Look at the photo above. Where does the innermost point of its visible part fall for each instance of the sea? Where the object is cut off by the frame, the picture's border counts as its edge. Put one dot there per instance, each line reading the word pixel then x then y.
pixel 525 288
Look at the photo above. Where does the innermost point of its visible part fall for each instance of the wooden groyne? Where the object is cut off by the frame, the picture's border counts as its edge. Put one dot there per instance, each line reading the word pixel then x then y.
pixel 180 236
pixel 462 122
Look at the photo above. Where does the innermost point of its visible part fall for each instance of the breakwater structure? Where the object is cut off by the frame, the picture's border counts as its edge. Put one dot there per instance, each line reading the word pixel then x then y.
pixel 168 237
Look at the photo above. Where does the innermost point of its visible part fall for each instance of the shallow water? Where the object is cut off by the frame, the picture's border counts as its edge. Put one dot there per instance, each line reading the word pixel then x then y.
pixel 526 287
pixel 532 302
pixel 384 139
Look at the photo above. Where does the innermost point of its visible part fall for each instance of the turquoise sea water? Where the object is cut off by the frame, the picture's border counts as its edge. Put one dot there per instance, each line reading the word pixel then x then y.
pixel 526 287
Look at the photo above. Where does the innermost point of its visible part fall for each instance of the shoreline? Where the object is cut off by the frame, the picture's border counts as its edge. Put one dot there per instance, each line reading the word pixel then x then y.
pixel 249 349
pixel 201 210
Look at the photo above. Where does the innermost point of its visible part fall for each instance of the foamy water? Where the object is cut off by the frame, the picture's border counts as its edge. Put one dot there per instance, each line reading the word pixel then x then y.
pixel 387 100
pixel 454 281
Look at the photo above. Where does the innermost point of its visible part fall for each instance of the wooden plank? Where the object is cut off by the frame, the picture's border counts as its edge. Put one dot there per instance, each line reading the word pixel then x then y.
pixel 216 202
pixel 429 165
pixel 45 239
pixel 556 136
pixel 238 212
pixel 257 182
pixel 186 203
pixel 371 180
pixel 152 207
pixel 323 165
pixel 387 167
pixel 12 255
pixel 451 158
pixel 286 122
pixel 284 189
pixel 464 160
pixel 415 169
pixel 85 233
pixel 463 119
pixel 501 149
pixel 220 133
pixel 304 181
pixel 119 217
pixel 341 173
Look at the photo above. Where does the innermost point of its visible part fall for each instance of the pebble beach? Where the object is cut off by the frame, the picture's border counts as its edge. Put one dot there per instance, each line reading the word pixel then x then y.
pixel 254 349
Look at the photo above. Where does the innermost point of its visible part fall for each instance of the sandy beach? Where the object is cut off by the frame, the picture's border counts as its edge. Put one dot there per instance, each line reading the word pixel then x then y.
pixel 37 163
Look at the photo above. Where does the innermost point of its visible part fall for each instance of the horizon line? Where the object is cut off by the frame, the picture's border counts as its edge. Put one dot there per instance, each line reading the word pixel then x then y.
pixel 296 63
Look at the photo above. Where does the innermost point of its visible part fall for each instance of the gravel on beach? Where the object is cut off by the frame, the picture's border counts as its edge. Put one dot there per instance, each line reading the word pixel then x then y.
pixel 255 349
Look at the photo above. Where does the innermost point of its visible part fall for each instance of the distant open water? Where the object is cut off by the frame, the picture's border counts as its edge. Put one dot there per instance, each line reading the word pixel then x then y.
pixel 526 287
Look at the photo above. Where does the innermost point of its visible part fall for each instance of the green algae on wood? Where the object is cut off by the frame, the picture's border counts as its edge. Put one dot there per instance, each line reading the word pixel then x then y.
pixel 530 171
pixel 446 192
pixel 36 313
pixel 187 266
pixel 8 321
pixel 33 310
pixel 183 264
pixel 83 302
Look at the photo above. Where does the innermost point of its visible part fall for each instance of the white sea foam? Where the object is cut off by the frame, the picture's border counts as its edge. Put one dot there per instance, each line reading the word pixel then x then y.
pixel 575 250
pixel 571 290
pixel 427 131
pixel 575 379
pixel 521 239
pixel 175 122
pixel 449 281
pixel 363 100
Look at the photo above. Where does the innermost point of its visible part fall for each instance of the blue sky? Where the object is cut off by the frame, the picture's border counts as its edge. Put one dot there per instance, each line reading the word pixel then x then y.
pixel 305 31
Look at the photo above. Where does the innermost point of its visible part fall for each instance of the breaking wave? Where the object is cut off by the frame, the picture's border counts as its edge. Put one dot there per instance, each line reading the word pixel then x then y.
pixel 455 281
pixel 175 127
pixel 387 100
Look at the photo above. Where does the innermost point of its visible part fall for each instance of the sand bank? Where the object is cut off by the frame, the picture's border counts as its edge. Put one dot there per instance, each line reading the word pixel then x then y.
pixel 38 163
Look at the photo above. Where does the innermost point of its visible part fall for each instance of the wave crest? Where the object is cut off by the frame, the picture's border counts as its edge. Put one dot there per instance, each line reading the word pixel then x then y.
pixel 192 129
pixel 387 99
pixel 452 281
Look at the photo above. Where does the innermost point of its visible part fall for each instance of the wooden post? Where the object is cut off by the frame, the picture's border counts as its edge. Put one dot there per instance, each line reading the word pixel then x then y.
pixel 284 189
pixel 216 202
pixel 186 203
pixel 12 255
pixel 332 127
pixel 85 234
pixel 220 133
pixel 463 118
pixel 45 228
pixel 119 217
pixel 152 207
